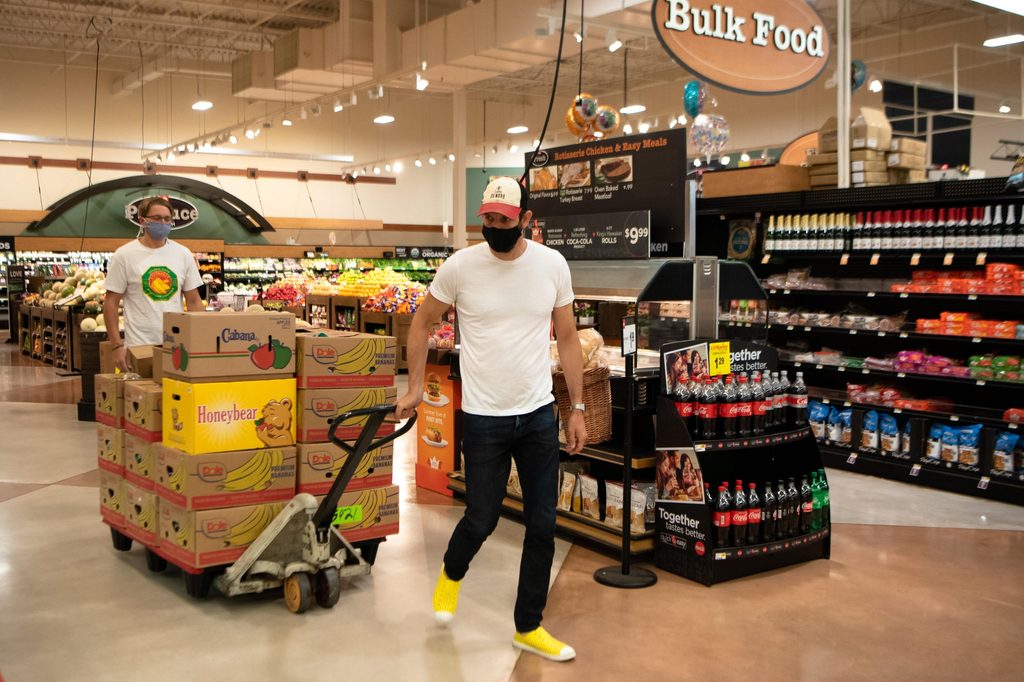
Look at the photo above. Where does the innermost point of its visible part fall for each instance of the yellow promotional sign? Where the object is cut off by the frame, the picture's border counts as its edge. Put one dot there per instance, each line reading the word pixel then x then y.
pixel 718 358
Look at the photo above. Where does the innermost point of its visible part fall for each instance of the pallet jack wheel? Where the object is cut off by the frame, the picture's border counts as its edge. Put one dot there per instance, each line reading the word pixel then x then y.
pixel 198 584
pixel 298 592
pixel 122 543
pixel 155 562
pixel 327 587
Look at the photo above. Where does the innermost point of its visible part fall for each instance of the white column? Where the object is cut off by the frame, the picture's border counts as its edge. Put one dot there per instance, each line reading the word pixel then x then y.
pixel 459 168
pixel 843 89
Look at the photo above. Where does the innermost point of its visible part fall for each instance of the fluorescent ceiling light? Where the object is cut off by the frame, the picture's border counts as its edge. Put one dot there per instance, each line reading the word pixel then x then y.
pixel 517 130
pixel 633 109
pixel 384 119
pixel 1002 41
pixel 202 105
pixel 1011 6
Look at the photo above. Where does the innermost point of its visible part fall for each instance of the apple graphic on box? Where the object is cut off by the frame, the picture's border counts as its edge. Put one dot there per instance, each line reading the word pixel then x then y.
pixel 179 358
pixel 271 354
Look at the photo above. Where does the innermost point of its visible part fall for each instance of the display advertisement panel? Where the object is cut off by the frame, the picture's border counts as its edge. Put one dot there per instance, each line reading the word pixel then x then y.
pixel 598 236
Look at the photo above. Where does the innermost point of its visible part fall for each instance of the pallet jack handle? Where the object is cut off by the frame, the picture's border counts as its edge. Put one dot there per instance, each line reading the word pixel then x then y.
pixel 365 443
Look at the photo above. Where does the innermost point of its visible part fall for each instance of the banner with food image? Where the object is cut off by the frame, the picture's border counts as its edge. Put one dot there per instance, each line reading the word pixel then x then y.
pixel 617 175
pixel 678 477
pixel 435 428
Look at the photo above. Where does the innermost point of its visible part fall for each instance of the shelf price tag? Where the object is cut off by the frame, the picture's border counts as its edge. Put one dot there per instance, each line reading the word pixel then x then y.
pixel 983 483
pixel 881 334
pixel 947 259
pixel 972 297
pixel 853 332
pixel 875 258
pixel 904 294
pixel 628 336
pixel 844 259
pixel 903 335
pixel 980 260
pixel 847 403
pixel 897 410
pixel 852 459
pixel 785 292
pixel 719 358
pixel 915 470
pixel 764 259
pixel 807 329
pixel 915 259
pixel 954 418
pixel 1012 425
pixel 871 294
pixel 789 327
pixel 980 382
pixel 976 339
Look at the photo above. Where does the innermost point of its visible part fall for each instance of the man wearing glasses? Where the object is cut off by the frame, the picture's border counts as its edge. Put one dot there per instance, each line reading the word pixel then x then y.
pixel 150 275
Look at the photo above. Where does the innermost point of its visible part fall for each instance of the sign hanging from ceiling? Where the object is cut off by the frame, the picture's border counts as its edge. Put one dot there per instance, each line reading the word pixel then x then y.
pixel 758 47
pixel 183 212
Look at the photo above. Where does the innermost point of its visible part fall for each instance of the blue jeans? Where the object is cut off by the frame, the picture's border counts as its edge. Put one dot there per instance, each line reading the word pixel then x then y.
pixel 488 446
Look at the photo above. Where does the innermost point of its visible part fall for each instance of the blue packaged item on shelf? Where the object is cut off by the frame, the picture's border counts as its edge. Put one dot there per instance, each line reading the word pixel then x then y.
pixel 950 444
pixel 934 449
pixel 970 444
pixel 905 443
pixel 835 427
pixel 889 434
pixel 846 419
pixel 1003 453
pixel 817 417
pixel 869 434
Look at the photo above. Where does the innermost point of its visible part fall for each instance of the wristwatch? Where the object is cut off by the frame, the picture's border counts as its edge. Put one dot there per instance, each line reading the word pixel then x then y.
pixel 580 406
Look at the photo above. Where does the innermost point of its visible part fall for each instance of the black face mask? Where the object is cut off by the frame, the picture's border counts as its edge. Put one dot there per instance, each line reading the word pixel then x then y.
pixel 502 240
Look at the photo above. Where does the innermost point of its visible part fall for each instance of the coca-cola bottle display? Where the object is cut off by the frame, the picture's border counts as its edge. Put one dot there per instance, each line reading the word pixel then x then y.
pixel 806 506
pixel 728 412
pixel 707 412
pixel 754 515
pixel 684 404
pixel 744 408
pixel 739 516
pixel 768 514
pixel 723 517
pixel 782 388
pixel 759 405
pixel 709 499
pixel 781 511
pixel 797 399
pixel 728 494
pixel 793 496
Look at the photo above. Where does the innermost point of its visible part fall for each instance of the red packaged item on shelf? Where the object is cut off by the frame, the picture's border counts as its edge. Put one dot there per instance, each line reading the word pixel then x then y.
pixel 1001 271
pixel 1014 415
pixel 1003 330
pixel 957 317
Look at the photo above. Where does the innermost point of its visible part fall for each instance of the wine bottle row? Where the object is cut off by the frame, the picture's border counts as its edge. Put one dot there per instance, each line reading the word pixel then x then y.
pixel 921 230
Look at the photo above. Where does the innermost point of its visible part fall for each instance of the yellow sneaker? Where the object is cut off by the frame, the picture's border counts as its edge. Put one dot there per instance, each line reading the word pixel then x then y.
pixel 446 598
pixel 540 642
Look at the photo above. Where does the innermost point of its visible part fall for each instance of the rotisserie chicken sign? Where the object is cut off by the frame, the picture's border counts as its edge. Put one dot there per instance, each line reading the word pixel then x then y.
pixel 757 47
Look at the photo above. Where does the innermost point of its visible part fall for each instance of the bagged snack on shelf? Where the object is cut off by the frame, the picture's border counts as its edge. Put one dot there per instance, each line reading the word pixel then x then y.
pixel 934 448
pixel 1002 454
pixel 638 513
pixel 817 417
pixel 649 492
pixel 950 444
pixel 590 506
pixel 567 492
pixel 846 418
pixel 889 433
pixel 1014 415
pixel 869 434
pixel 513 487
pixel 905 442
pixel 613 504
pixel 834 433
pixel 970 442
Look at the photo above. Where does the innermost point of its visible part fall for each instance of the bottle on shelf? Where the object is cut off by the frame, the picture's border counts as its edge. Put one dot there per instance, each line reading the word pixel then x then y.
pixel 877 229
pixel 784 233
pixel 888 230
pixel 783 394
pixel 728 410
pixel 753 515
pixel 996 234
pixel 770 236
pixel 905 225
pixel 707 412
pixel 985 232
pixel 797 400
pixel 963 229
pixel 793 497
pixel 769 514
pixel 709 499
pixel 857 235
pixel 928 233
pixel 744 408
pixel 825 501
pixel 739 516
pixel 759 407
pixel 684 404
pixel 806 506
pixel 816 502
pixel 916 239
pixel 779 401
pixel 723 517
pixel 1012 239
pixel 781 511
pixel 813 234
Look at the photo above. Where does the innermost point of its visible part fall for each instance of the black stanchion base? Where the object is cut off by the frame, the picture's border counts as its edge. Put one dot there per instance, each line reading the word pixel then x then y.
pixel 614 577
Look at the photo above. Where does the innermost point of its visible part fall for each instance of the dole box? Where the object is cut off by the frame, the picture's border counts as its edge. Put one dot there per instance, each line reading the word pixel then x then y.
pixel 211 537
pixel 110 399
pixel 227 416
pixel 318 408
pixel 367 514
pixel 141 514
pixel 142 409
pixel 320 463
pixel 344 359
pixel 224 479
pixel 204 347
pixel 112 506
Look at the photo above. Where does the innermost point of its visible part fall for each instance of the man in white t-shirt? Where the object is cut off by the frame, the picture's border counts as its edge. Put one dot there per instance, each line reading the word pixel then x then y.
pixel 150 275
pixel 506 294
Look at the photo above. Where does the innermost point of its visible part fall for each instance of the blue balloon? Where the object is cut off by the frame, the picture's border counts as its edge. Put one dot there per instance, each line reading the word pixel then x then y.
pixel 693 97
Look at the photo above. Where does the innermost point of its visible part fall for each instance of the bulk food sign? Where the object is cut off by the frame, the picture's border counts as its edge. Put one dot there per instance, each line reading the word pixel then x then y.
pixel 756 47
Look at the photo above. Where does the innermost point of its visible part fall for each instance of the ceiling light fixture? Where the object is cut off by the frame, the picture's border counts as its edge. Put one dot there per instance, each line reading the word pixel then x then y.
pixel 1004 108
pixel 232 139
pixel 725 160
pixel 202 105
pixel 451 157
pixel 423 65
pixel 744 158
pixel 643 127
pixel 181 147
pixel 1011 6
pixel 633 109
pixel 433 161
pixel 376 170
pixel 598 134
pixel 353 100
pixel 207 145
pixel 421 83
pixel 682 120
pixel 578 36
pixel 303 114
pixel 191 147
pixel 418 163
pixel 316 109
pixel 338 106
pixel 517 130
pixel 696 163
pixel 375 92
pixel 672 122
pixel 399 166
pixel 628 129
pixel 612 41
pixel 354 174
pixel 384 119
pixel 286 121
pixel 1003 41
pixel 875 85
pixel 171 157
pixel 536 143
pixel 387 167
pixel 514 148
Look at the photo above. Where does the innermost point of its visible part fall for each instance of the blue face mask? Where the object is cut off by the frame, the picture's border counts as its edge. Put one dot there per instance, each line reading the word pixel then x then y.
pixel 159 231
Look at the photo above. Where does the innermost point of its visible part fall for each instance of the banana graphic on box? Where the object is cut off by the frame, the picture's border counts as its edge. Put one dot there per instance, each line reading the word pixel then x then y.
pixel 254 474
pixel 371 501
pixel 360 360
pixel 245 532
pixel 145 516
pixel 176 478
pixel 364 466
pixel 370 397
pixel 183 533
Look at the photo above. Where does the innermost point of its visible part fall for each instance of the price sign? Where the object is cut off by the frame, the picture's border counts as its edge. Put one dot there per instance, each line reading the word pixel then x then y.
pixel 915 259
pixel 915 470
pixel 852 459
pixel 628 336
pixel 983 483
pixel 719 358
pixel 844 259
pixel 875 257
pixel 947 259
pixel 350 514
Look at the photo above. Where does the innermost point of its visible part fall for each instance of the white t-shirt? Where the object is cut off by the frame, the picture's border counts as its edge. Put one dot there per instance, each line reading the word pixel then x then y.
pixel 504 316
pixel 152 282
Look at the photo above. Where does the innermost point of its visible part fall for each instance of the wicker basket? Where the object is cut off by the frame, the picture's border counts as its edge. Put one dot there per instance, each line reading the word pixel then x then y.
pixel 597 396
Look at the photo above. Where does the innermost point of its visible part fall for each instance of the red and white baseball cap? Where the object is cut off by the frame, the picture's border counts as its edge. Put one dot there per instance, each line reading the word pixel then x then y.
pixel 503 195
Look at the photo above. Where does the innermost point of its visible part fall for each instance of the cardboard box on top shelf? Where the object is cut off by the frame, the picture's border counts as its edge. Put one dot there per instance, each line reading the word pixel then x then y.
pixel 904 176
pixel 211 537
pixel 142 409
pixel 866 155
pixel 954 174
pixel 112 506
pixel 871 130
pixel 824 169
pixel 868 166
pixel 204 347
pixel 142 517
pixel 824 180
pixel 907 161
pixel 140 360
pixel 317 409
pixel 909 145
pixel 229 415
pixel 754 180
pixel 875 178
pixel 224 479
pixel 338 359
pixel 320 463
pixel 869 184
pixel 139 461
pixel 831 158
pixel 109 397
pixel 367 514
pixel 828 136
pixel 110 449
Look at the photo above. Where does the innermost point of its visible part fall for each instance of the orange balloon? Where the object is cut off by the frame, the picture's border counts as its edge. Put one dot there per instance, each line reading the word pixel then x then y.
pixel 570 122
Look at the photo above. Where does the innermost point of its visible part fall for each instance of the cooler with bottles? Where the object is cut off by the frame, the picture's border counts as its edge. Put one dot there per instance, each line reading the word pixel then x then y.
pixel 740 483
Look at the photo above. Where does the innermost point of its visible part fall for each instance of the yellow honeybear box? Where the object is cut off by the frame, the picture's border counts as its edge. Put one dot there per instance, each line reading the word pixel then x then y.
pixel 227 416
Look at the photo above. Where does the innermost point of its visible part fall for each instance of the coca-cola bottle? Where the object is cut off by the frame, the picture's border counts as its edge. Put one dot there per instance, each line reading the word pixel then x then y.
pixel 769 513
pixel 744 408
pixel 739 516
pixel 707 415
pixel 684 404
pixel 760 406
pixel 783 399
pixel 709 499
pixel 797 400
pixel 781 511
pixel 753 515
pixel 806 506
pixel 728 414
pixel 723 517
pixel 793 496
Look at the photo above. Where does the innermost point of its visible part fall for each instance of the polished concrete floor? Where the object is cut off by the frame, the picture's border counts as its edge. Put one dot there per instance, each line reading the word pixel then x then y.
pixel 921 585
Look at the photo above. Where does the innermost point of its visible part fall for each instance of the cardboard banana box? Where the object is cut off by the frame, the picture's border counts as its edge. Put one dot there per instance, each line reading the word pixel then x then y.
pixel 320 463
pixel 339 359
pixel 318 408
pixel 228 416
pixel 367 514
pixel 224 479
pixel 138 461
pixel 110 448
pixel 109 397
pixel 201 347
pixel 143 402
pixel 112 506
pixel 211 537
pixel 141 517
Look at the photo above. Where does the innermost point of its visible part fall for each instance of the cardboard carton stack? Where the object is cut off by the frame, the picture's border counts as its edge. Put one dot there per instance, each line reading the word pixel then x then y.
pixel 870 139
pixel 824 171
pixel 110 447
pixel 906 161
